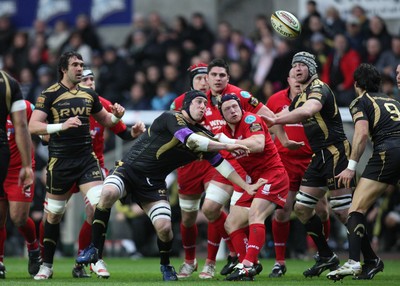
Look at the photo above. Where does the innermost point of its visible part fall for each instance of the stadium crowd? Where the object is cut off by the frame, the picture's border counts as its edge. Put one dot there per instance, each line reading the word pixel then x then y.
pixel 149 70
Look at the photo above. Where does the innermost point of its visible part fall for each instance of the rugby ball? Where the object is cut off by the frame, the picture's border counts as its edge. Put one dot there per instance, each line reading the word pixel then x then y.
pixel 285 24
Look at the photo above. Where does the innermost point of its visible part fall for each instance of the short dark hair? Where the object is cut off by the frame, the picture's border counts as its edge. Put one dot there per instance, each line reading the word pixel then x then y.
pixel 218 62
pixel 64 61
pixel 367 77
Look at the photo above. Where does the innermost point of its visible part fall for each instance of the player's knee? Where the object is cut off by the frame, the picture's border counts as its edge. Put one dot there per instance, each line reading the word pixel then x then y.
pixel 160 210
pixel 113 189
pixel 188 218
pixel 56 207
pixel 94 194
pixel 305 200
pixel 282 215
pixel 302 212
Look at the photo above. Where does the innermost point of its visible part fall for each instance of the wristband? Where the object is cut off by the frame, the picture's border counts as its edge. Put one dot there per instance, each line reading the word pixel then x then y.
pixel 53 128
pixel 352 165
pixel 115 119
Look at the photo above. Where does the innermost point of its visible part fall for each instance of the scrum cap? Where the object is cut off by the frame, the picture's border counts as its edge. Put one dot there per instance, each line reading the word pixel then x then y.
pixel 226 97
pixel 200 68
pixel 307 59
pixel 189 96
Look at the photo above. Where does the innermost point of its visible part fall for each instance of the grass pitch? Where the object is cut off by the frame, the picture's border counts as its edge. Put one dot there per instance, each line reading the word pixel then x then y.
pixel 146 271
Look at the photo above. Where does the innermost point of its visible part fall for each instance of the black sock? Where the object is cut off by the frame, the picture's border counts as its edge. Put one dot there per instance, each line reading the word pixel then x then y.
pixel 99 227
pixel 50 239
pixel 315 229
pixel 358 237
pixel 165 249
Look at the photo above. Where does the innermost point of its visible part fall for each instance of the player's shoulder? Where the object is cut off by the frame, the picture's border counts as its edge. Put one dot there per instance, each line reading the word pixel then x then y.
pixel 178 102
pixel 249 117
pixel 52 90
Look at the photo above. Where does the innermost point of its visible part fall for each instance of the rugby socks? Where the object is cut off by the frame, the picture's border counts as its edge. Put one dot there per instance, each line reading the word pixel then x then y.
pixel 314 229
pixel 240 240
pixel 3 236
pixel 85 236
pixel 358 238
pixel 213 241
pixel 41 236
pixel 51 235
pixel 28 231
pixel 256 242
pixel 280 232
pixel 327 228
pixel 165 249
pixel 99 226
pixel 189 235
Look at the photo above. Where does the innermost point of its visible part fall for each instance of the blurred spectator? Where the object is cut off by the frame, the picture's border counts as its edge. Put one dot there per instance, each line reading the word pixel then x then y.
pixel 265 92
pixel 389 87
pixel 136 46
pixel 390 59
pixel 153 77
pixel 88 32
pixel 354 33
pixel 236 41
pixel 163 98
pixel 19 51
pixel 175 80
pixel 76 43
pixel 114 76
pixel 224 32
pixel 45 76
pixel 41 43
pixel 7 32
pixel 218 50
pixel 359 12
pixel 136 98
pixel 316 25
pixel 282 62
pixel 200 33
pixel 320 49
pixel 236 74
pixel 34 60
pixel 261 28
pixel 338 70
pixel 378 29
pixel 334 24
pixel 156 26
pixel 58 37
pixel 372 52
pixel 174 56
pixel 179 30
pixel 312 10
pixel 39 28
pixel 263 58
pixel 27 83
pixel 245 60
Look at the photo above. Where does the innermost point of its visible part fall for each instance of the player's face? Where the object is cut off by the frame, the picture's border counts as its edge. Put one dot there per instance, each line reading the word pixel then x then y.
pixel 217 79
pixel 293 84
pixel 198 108
pixel 398 76
pixel 74 72
pixel 300 72
pixel 89 82
pixel 200 83
pixel 231 111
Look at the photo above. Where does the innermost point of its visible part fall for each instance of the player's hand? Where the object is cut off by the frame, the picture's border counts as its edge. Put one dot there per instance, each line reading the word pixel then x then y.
pixel 345 177
pixel 252 189
pixel 72 122
pixel 118 110
pixel 221 137
pixel 25 178
pixel 138 129
pixel 292 145
pixel 238 149
pixel 269 120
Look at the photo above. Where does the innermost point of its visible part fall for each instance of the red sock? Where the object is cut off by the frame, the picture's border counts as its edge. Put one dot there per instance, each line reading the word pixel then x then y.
pixel 41 237
pixel 221 228
pixel 280 232
pixel 3 236
pixel 189 235
pixel 213 241
pixel 85 236
pixel 28 231
pixel 256 242
pixel 240 240
pixel 327 228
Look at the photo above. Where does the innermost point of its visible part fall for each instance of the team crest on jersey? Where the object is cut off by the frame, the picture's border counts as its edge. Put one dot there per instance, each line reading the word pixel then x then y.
pixel 172 107
pixel 255 127
pixel 245 94
pixel 208 111
pixel 253 101
pixel 250 119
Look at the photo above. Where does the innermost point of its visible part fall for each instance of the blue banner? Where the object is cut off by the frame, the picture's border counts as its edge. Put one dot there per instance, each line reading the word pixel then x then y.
pixel 102 12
